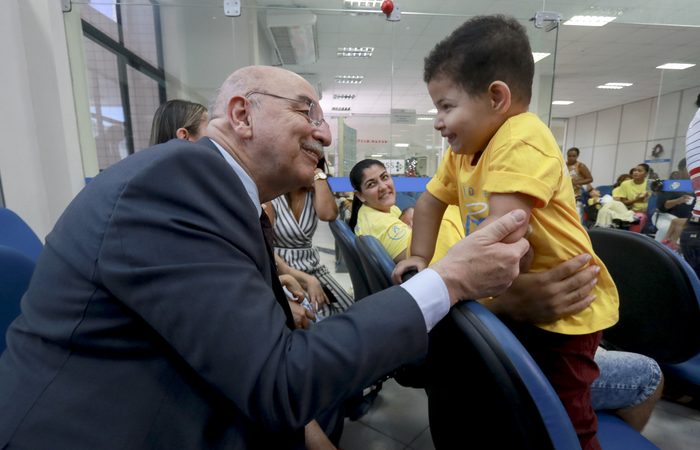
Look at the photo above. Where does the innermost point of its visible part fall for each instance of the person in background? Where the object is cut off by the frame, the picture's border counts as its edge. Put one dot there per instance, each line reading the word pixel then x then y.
pixel 690 236
pixel 295 217
pixel 621 179
pixel 579 173
pixel 407 216
pixel 635 196
pixel 673 209
pixel 178 119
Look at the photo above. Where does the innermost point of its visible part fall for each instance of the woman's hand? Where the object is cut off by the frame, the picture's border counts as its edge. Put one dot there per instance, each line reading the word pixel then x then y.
pixel 293 287
pixel 315 292
pixel 548 296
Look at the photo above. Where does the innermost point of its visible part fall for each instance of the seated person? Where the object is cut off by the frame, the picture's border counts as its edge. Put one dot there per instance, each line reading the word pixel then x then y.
pixel 621 179
pixel 374 213
pixel 674 209
pixel 634 194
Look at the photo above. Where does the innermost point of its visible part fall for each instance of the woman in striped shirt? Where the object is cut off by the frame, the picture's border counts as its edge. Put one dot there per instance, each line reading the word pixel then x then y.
pixel 690 237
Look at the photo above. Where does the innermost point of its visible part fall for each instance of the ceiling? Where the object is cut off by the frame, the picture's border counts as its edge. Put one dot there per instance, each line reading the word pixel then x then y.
pixel 647 33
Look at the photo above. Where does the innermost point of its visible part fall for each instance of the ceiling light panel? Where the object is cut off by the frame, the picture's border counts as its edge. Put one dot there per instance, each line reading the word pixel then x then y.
pixel 619 84
pixel 355 4
pixel 562 102
pixel 540 56
pixel 343 96
pixel 605 86
pixel 426 118
pixel 590 21
pixel 675 66
pixel 353 79
pixel 401 145
pixel 341 108
pixel 355 52
pixel 432 111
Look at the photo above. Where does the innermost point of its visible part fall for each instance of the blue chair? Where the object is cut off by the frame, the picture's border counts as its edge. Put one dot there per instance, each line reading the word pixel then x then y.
pixel 15 233
pixel 345 239
pixel 651 209
pixel 404 201
pixel 659 307
pixel 376 261
pixel 605 190
pixel 513 405
pixel 16 270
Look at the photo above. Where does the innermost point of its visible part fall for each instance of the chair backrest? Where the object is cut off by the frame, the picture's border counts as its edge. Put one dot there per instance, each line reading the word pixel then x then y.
pixel 605 190
pixel 403 201
pixel 508 402
pixel 345 239
pixel 16 270
pixel 15 233
pixel 659 311
pixel 651 206
pixel 376 261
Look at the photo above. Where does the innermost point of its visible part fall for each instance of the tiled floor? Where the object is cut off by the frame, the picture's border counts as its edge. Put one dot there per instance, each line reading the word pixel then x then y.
pixel 398 419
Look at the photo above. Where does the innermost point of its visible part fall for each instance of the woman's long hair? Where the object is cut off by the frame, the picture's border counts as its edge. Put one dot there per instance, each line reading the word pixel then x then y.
pixel 173 115
pixel 356 176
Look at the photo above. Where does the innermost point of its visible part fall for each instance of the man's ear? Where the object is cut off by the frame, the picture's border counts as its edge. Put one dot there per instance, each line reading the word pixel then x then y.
pixel 359 195
pixel 182 133
pixel 239 116
pixel 500 96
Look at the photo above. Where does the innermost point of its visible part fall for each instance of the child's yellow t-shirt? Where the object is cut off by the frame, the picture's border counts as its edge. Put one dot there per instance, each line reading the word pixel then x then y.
pixel 629 190
pixel 523 157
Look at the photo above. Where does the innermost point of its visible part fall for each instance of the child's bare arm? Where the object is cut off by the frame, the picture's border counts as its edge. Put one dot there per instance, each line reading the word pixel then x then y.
pixel 426 223
pixel 502 204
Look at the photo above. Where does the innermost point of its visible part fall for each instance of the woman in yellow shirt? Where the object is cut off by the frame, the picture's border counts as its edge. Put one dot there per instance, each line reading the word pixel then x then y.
pixel 633 193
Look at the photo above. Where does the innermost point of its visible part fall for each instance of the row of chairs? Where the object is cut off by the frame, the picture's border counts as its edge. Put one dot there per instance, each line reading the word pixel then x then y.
pixel 659 313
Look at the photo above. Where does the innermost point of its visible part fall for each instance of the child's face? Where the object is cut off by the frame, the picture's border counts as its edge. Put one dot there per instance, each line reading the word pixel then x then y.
pixel 595 193
pixel 407 217
pixel 467 123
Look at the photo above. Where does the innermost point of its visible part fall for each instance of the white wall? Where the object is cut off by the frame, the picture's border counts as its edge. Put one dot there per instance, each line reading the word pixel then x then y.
pixel 40 161
pixel 614 140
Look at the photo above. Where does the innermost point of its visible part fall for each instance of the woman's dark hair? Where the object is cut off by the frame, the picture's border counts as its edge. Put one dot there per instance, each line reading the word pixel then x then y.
pixel 621 178
pixel 356 175
pixel 173 115
pixel 646 166
pixel 574 149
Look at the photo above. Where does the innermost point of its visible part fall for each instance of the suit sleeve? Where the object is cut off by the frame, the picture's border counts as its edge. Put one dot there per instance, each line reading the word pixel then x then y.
pixel 185 252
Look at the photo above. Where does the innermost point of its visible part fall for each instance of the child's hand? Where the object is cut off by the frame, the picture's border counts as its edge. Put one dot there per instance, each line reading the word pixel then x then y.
pixel 416 263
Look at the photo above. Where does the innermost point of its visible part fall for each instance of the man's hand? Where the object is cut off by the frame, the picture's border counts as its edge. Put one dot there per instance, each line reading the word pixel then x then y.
pixel 548 296
pixel 301 315
pixel 480 265
pixel 416 263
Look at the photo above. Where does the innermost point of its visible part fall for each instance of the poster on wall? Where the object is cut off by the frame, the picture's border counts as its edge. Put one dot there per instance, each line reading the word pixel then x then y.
pixel 393 166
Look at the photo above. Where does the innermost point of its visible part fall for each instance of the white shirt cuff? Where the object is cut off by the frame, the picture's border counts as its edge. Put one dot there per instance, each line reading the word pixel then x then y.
pixel 430 292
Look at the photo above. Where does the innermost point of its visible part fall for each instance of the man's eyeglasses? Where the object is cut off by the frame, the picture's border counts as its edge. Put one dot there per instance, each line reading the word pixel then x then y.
pixel 313 114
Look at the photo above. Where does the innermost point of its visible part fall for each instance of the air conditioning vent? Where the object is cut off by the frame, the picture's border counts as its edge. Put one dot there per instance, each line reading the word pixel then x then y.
pixel 294 37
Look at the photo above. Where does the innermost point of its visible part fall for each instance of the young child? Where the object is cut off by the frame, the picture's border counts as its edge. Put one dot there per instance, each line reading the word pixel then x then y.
pixel 595 197
pixel 503 158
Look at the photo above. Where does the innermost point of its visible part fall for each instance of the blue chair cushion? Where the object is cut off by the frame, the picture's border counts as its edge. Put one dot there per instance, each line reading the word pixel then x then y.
pixel 16 270
pixel 15 233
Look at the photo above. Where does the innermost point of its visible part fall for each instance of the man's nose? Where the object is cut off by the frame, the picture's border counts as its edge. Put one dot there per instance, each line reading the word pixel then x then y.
pixel 322 133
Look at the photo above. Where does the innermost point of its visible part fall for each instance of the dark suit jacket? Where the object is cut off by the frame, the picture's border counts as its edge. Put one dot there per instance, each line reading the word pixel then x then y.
pixel 150 322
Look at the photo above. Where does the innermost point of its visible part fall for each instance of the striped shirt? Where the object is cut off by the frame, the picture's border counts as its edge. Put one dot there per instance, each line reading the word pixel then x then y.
pixel 692 155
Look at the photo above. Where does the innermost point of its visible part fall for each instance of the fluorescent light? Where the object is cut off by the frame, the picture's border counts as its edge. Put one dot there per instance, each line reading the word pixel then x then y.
pixel 540 56
pixel 619 84
pixel 426 118
pixel 341 108
pixel 377 156
pixel 432 111
pixel 605 86
pixel 353 79
pixel 590 21
pixel 675 66
pixel 343 96
pixel 355 52
pixel 401 145
pixel 562 102
pixel 354 4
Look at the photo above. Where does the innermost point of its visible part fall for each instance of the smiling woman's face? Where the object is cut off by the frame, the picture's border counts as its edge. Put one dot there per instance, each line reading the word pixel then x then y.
pixel 377 189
